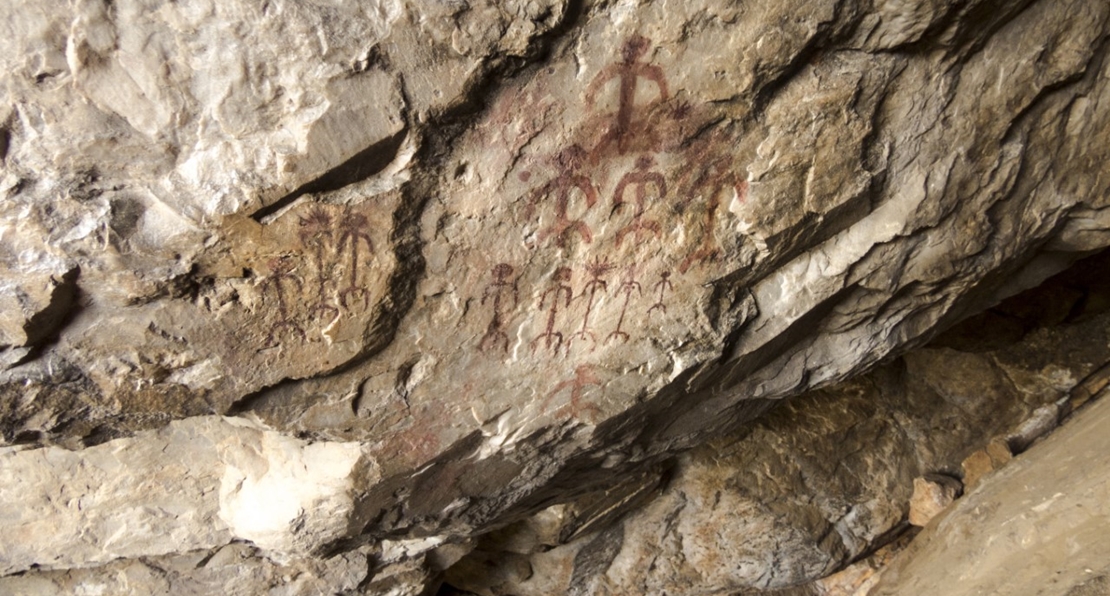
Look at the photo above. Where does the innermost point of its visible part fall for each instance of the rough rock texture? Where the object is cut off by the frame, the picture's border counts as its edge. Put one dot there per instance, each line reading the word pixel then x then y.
pixel 983 462
pixel 809 488
pixel 235 570
pixel 382 277
pixel 235 481
pixel 1048 512
pixel 859 578
pixel 931 495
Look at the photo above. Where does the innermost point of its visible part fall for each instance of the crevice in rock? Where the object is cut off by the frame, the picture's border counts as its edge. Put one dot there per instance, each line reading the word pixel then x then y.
pixel 967 37
pixel 5 142
pixel 977 26
pixel 358 167
pixel 1072 296
pixel 1084 77
pixel 44 327
pixel 63 307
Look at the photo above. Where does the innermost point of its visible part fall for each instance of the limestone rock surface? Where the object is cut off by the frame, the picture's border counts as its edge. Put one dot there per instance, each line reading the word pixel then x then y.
pixel 931 495
pixel 1048 507
pixel 815 484
pixel 367 281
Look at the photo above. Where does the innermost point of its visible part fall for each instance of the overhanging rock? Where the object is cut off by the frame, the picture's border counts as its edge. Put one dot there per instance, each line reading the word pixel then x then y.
pixel 494 254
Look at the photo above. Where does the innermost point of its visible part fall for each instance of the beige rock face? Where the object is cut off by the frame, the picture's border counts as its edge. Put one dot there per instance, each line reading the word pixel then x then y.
pixel 236 569
pixel 404 273
pixel 197 484
pixel 931 495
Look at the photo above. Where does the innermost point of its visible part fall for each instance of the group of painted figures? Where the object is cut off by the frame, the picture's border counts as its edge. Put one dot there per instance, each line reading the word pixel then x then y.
pixel 557 299
pixel 332 242
pixel 635 194
pixel 710 181
pixel 335 240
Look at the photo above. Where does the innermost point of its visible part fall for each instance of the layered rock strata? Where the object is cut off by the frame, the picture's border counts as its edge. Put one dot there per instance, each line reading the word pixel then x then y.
pixel 818 483
pixel 370 280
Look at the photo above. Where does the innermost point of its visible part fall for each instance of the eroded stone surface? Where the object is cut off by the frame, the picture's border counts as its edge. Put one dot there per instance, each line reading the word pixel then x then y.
pixel 236 569
pixel 815 484
pixel 196 484
pixel 1048 509
pixel 508 251
pixel 931 495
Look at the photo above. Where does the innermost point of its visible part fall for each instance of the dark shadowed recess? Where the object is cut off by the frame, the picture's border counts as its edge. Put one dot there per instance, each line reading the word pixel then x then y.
pixel 1077 294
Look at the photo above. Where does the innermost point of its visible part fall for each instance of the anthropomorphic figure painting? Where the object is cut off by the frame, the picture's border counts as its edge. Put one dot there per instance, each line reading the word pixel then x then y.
pixel 662 286
pixel 640 180
pixel 560 292
pixel 628 72
pixel 353 231
pixel 584 377
pixel 714 182
pixel 281 275
pixel 315 233
pixel 627 287
pixel 597 269
pixel 498 290
pixel 563 188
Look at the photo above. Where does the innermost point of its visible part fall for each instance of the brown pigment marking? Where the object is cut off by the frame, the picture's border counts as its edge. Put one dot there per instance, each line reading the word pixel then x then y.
pixel 628 285
pixel 315 232
pixel 717 177
pixel 663 285
pixel 353 228
pixel 421 442
pixel 628 71
pixel 639 179
pixel 528 109
pixel 282 269
pixel 596 269
pixel 560 279
pixel 415 443
pixel 583 377
pixel 495 334
pixel 569 161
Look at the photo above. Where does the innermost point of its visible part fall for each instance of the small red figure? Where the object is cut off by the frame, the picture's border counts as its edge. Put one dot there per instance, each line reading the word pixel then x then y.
pixel 596 269
pixel 495 335
pixel 628 285
pixel 352 229
pixel 560 278
pixel 569 162
pixel 282 270
pixel 663 285
pixel 583 377
pixel 315 231
pixel 639 179
pixel 714 179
